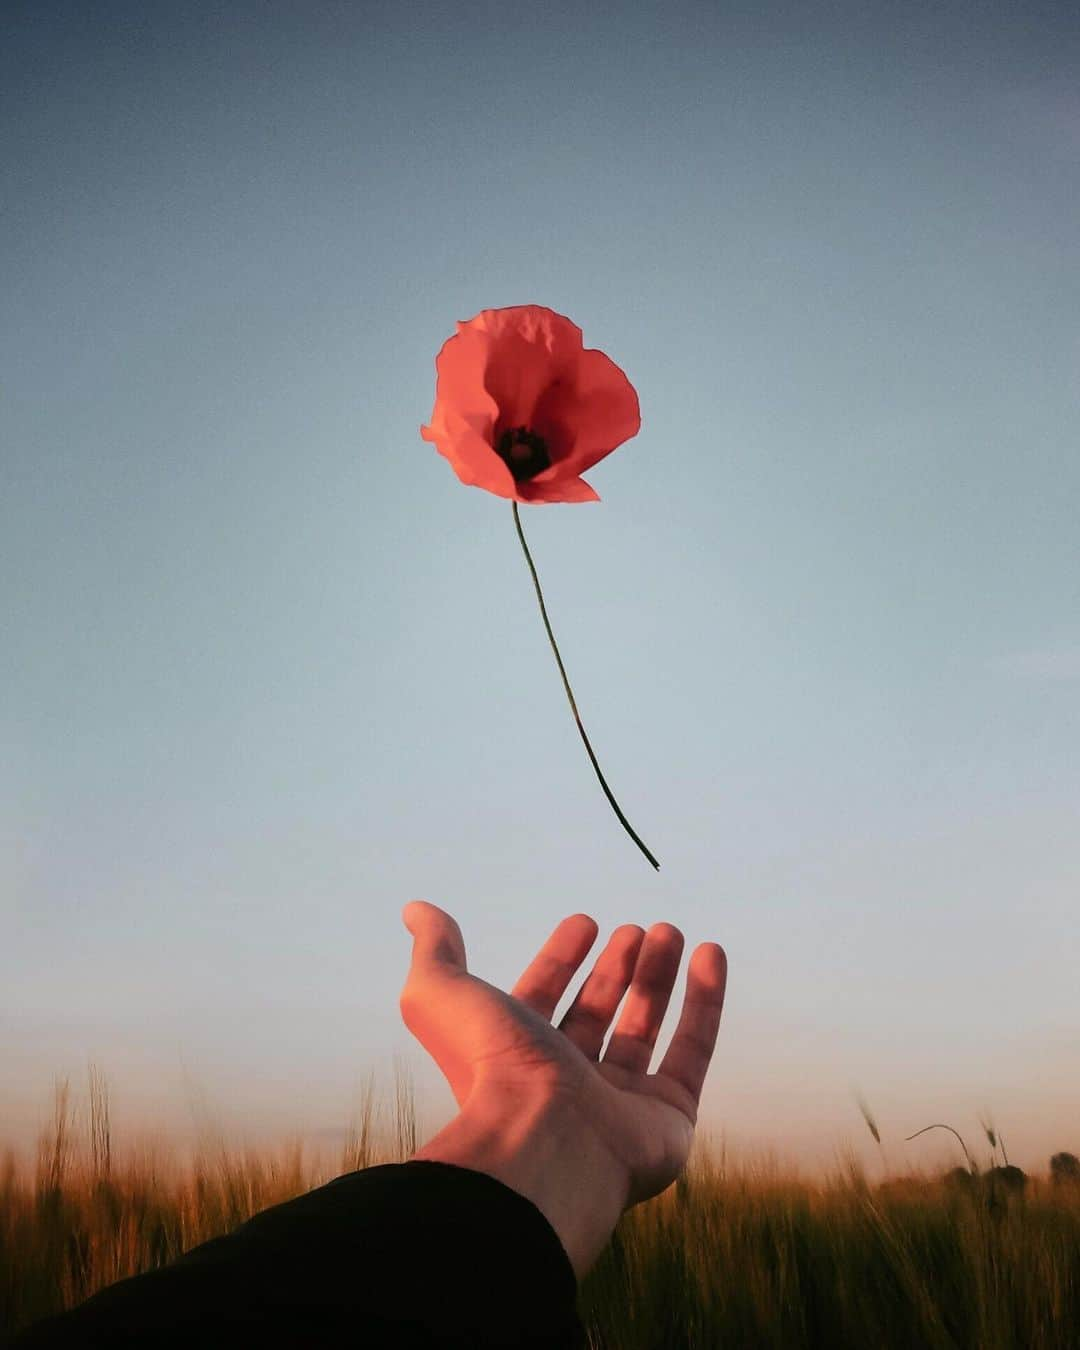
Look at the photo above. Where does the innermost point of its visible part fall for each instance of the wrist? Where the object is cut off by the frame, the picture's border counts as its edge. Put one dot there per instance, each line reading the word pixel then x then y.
pixel 545 1152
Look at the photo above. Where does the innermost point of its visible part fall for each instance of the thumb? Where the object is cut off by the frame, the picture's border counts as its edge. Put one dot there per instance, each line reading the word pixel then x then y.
pixel 437 940
pixel 431 999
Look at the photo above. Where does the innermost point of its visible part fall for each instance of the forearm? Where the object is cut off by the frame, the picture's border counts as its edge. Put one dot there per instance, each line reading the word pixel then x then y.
pixel 416 1254
pixel 545 1155
pixel 543 1152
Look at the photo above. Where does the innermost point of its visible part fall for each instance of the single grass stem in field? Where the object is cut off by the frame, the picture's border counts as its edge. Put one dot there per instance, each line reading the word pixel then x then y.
pixel 993 1138
pixel 868 1116
pixel 971 1161
pixel 100 1136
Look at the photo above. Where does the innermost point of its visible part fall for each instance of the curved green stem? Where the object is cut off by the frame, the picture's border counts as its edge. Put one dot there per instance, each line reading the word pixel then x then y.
pixel 569 694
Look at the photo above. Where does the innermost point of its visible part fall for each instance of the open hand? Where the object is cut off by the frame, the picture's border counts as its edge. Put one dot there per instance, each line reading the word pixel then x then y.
pixel 486 1041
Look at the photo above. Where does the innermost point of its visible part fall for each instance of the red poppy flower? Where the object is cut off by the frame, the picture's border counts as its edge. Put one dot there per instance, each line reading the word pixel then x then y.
pixel 523 408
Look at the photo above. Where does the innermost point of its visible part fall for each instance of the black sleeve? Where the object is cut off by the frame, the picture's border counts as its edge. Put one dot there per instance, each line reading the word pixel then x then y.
pixel 408 1254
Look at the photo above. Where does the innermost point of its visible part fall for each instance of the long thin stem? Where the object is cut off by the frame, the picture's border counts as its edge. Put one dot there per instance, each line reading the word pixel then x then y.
pixel 967 1155
pixel 570 695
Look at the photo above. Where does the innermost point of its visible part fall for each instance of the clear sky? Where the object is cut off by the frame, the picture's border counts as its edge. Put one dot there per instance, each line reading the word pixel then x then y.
pixel 268 670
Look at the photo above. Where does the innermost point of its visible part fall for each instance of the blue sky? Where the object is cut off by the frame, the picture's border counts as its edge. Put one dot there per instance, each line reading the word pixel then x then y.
pixel 269 671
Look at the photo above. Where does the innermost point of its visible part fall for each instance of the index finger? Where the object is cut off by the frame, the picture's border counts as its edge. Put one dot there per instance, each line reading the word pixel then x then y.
pixel 691 1049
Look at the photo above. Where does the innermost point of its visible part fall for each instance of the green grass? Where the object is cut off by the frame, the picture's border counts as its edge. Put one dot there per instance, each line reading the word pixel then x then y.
pixel 729 1256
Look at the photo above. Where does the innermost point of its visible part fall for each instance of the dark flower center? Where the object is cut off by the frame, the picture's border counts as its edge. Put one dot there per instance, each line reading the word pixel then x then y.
pixel 523 452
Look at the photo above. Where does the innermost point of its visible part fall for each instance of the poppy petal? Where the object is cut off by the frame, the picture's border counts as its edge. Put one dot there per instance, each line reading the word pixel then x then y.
pixel 535 323
pixel 530 349
pixel 517 376
pixel 562 489
pixel 459 383
pixel 470 454
pixel 605 411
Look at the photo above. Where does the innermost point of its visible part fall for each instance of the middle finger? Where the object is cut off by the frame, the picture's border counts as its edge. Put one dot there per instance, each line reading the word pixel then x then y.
pixel 587 1019
pixel 635 1033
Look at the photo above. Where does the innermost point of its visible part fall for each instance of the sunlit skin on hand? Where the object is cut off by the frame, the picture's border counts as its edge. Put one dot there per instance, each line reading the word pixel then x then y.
pixel 502 1049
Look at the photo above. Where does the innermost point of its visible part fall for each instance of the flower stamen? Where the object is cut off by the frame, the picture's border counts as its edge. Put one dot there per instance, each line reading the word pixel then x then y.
pixel 524 452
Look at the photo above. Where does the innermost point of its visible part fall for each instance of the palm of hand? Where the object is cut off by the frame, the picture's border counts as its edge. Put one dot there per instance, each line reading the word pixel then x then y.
pixel 487 1041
